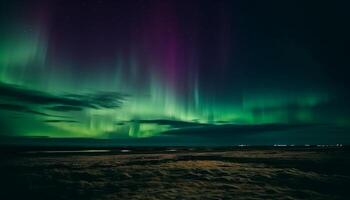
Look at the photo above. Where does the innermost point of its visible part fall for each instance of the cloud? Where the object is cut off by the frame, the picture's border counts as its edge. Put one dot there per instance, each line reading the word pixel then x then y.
pixel 23 109
pixel 98 100
pixel 172 123
pixel 64 103
pixel 65 108
pixel 61 121
pixel 232 129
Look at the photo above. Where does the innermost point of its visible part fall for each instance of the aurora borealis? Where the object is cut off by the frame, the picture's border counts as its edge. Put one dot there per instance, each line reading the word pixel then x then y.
pixel 161 68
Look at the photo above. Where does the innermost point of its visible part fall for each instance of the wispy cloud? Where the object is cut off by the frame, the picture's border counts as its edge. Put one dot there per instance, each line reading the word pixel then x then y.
pixel 60 121
pixel 59 103
pixel 172 123
pixel 23 109
pixel 233 129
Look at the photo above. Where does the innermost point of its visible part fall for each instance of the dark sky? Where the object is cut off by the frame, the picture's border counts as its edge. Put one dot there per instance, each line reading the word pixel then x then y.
pixel 116 69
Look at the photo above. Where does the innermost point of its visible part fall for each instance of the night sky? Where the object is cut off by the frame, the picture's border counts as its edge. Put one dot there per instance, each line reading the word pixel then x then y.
pixel 176 72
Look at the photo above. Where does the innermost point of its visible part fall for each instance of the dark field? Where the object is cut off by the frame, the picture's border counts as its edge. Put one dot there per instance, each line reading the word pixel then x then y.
pixel 246 173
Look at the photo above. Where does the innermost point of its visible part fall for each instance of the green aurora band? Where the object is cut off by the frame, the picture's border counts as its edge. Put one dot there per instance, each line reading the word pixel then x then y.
pixel 60 96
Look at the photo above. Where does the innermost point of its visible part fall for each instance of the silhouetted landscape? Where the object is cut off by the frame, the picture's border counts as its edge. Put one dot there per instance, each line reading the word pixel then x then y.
pixel 176 173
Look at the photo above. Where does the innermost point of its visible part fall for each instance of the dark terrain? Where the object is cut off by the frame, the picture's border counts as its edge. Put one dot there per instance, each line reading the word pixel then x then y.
pixel 177 173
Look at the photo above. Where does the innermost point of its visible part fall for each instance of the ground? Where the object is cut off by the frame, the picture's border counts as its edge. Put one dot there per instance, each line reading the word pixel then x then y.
pixel 180 173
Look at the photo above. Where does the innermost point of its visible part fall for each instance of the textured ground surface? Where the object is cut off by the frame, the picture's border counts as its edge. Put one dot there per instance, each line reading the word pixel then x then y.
pixel 192 174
